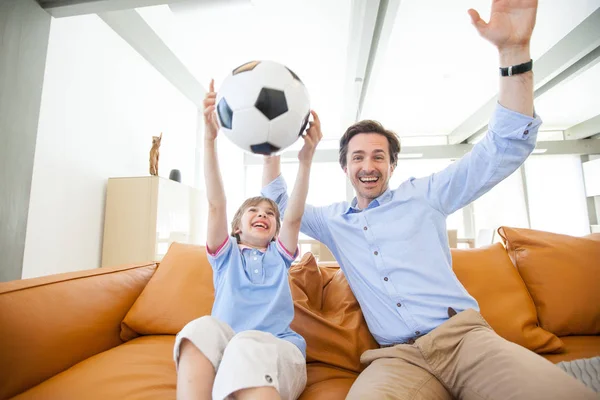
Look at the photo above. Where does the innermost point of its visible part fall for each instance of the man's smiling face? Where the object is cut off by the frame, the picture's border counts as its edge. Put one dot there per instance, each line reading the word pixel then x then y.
pixel 368 166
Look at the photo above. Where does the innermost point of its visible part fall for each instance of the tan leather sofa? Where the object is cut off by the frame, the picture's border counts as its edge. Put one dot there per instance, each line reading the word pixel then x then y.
pixel 108 333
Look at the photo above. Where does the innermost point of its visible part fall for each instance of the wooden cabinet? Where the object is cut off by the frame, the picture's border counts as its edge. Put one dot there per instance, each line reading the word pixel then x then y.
pixel 144 215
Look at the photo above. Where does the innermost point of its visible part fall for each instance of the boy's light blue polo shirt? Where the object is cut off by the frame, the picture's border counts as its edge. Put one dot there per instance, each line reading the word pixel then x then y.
pixel 252 290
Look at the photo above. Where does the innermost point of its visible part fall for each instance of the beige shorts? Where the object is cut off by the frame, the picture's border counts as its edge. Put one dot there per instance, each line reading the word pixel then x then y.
pixel 247 359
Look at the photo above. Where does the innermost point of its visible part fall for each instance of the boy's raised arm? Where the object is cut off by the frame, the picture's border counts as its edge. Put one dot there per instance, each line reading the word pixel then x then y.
pixel 217 208
pixel 290 228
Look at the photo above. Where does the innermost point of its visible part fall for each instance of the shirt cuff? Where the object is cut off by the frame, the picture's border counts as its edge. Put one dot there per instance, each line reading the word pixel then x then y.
pixel 513 125
pixel 219 250
pixel 286 252
pixel 274 188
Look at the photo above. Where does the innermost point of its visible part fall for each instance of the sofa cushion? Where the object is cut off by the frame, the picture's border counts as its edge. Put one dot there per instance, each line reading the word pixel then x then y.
pixel 331 389
pixel 328 316
pixel 327 382
pixel 562 274
pixel 180 290
pixel 575 348
pixel 142 368
pixel 489 276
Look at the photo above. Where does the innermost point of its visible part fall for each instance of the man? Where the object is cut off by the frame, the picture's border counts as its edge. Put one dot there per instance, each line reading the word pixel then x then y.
pixel 393 248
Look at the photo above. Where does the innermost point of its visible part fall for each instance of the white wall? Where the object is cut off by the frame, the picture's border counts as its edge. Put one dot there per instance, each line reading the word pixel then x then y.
pixel 101 104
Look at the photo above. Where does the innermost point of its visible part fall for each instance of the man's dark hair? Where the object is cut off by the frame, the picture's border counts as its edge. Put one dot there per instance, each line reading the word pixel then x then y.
pixel 369 126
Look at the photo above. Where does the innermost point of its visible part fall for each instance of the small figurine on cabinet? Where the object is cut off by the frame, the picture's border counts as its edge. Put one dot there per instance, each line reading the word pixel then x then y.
pixel 154 154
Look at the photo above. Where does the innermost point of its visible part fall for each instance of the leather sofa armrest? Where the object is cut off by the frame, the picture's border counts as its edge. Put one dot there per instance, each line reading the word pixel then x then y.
pixel 51 323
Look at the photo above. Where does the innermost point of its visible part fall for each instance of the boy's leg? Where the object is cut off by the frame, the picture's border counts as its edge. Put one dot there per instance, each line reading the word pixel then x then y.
pixel 197 353
pixel 258 365
pixel 397 372
pixel 257 393
pixel 473 362
pixel 195 373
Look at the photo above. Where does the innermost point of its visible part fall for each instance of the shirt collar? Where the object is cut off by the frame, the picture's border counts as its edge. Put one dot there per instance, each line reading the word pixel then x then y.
pixel 382 199
pixel 244 247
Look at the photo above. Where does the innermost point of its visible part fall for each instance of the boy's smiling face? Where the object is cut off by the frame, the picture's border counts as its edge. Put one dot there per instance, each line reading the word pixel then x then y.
pixel 258 225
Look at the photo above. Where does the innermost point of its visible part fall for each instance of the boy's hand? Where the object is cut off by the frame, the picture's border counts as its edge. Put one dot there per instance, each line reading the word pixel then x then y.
pixel 312 137
pixel 211 128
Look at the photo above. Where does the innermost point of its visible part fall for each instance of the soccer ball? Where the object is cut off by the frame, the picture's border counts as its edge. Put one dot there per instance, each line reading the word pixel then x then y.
pixel 262 107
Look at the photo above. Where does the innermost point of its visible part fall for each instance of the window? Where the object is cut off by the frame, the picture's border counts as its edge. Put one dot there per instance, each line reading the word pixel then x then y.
pixel 503 205
pixel 556 194
pixel 327 182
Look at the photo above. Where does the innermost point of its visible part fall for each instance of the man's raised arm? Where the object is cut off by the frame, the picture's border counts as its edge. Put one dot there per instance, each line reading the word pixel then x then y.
pixel 509 29
pixel 512 130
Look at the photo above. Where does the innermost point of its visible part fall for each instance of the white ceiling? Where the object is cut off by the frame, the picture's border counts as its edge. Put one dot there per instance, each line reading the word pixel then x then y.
pixel 569 104
pixel 433 74
pixel 437 71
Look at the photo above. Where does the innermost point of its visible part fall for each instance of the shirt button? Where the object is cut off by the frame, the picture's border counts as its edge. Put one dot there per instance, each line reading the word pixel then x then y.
pixel 254 258
pixel 385 279
pixel 256 271
pixel 526 132
pixel 417 333
pixel 375 252
pixel 398 305
pixel 365 228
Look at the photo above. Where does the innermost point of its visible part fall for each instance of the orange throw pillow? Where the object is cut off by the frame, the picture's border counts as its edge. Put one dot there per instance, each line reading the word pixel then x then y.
pixel 489 276
pixel 562 273
pixel 180 291
pixel 329 318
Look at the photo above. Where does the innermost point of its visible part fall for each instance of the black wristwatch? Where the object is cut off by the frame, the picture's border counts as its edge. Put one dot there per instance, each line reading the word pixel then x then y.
pixel 517 69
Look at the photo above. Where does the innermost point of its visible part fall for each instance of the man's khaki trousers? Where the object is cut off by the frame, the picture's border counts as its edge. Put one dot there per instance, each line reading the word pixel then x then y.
pixel 463 359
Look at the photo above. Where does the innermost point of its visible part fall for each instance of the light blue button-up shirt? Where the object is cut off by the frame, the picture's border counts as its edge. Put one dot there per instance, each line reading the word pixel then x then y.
pixel 395 253
pixel 252 290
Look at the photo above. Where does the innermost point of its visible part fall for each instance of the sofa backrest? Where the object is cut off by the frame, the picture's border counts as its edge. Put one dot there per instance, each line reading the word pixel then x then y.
pixel 51 323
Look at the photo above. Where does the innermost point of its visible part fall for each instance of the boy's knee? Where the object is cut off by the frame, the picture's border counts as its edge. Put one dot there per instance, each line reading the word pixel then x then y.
pixel 206 323
pixel 247 337
pixel 252 344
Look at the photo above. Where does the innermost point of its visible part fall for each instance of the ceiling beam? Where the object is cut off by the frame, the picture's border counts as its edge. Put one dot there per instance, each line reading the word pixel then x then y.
pixel 134 30
pixel 371 23
pixel 451 151
pixel 551 68
pixel 70 8
pixel 584 129
pixel 363 17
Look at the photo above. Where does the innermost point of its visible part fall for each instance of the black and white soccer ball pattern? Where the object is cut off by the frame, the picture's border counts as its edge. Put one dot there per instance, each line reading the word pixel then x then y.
pixel 263 107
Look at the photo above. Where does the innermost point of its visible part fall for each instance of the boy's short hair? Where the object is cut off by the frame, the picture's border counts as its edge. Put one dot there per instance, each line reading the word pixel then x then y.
pixel 251 202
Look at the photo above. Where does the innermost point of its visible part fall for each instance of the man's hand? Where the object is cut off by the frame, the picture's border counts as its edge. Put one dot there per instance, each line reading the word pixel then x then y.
pixel 211 128
pixel 312 137
pixel 510 26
